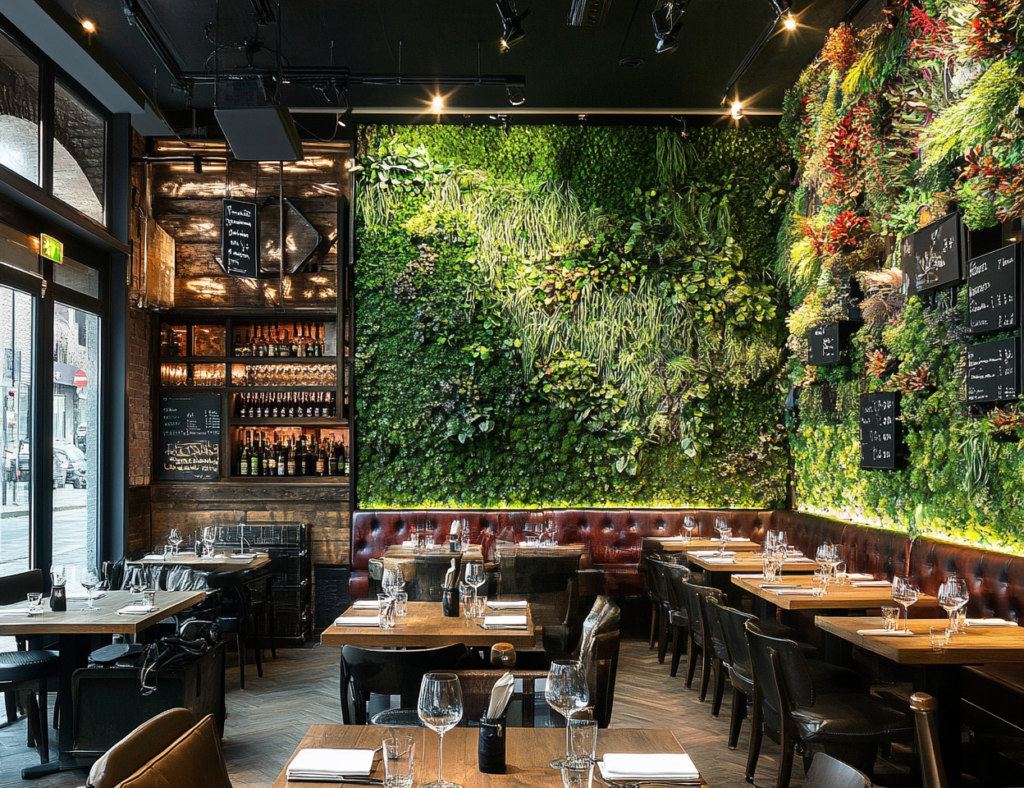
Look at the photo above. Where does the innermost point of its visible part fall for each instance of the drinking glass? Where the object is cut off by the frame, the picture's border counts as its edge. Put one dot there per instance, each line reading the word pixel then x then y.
pixel 768 567
pixel 820 582
pixel 168 552
pixel 890 618
pixel 904 594
pixel 35 604
pixel 440 709
pixel 210 534
pixel 89 581
pixel 578 777
pixel 583 741
pixel 59 575
pixel 953 595
pixel 689 525
pixel 938 637
pixel 467 599
pixel 401 603
pixel 567 692
pixel 725 534
pixel 393 580
pixel 475 575
pixel 480 606
pixel 841 577
pixel 398 761
pixel 385 611
pixel 174 538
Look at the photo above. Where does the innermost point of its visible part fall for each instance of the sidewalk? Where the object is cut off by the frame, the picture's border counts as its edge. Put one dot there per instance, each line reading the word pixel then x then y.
pixel 64 500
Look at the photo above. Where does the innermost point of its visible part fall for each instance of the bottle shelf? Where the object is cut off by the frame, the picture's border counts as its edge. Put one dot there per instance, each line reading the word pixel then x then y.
pixel 249 359
pixel 289 479
pixel 312 421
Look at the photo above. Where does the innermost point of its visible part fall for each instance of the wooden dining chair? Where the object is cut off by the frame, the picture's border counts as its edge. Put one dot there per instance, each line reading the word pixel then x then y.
pixel 926 734
pixel 829 772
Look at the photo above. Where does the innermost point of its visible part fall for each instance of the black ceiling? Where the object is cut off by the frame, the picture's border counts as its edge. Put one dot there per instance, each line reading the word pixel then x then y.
pixel 566 68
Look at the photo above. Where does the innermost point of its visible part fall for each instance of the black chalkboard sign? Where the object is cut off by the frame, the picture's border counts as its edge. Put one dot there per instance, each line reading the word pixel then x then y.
pixel 937 254
pixel 908 265
pixel 239 239
pixel 881 431
pixel 993 296
pixel 823 345
pixel 189 439
pixel 993 371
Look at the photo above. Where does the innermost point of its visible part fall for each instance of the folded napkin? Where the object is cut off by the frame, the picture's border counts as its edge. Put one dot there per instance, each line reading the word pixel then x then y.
pixel 504 621
pixel 708 553
pixel 409 543
pixel 330 765
pixel 738 539
pixel 158 558
pixel 727 559
pixel 800 559
pixel 871 584
pixel 775 585
pixel 240 557
pixel 648 766
pixel 357 621
pixel 137 610
pixel 881 633
pixel 366 604
pixel 794 592
pixel 859 576
pixel 989 622
pixel 498 604
pixel 749 577
pixel 13 611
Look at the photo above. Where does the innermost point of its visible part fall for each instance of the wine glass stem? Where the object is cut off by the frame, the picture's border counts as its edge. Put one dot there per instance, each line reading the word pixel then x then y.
pixel 568 740
pixel 906 617
pixel 440 759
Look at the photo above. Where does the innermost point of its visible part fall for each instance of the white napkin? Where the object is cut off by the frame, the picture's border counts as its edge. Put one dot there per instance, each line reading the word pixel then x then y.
pixel 738 539
pixel 794 592
pixel 137 610
pixel 881 633
pixel 409 543
pixel 749 577
pixel 366 604
pixel 147 558
pixel 357 621
pixel 504 621
pixel 13 611
pixel 859 576
pixel 648 766
pixel 497 604
pixel 871 584
pixel 799 559
pixel 501 694
pixel 709 553
pixel 989 622
pixel 313 764
pixel 729 559
pixel 240 557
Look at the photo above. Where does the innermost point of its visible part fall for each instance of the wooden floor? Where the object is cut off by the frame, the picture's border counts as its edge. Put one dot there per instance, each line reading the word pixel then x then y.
pixel 300 688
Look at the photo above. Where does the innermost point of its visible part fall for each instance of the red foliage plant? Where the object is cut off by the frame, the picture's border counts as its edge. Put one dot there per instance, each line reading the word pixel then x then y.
pixel 846 233
pixel 991 34
pixel 930 38
pixel 840 48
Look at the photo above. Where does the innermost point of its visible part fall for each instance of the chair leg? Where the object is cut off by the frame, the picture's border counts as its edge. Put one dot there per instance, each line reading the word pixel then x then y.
pixel 240 644
pixel 38 728
pixel 756 734
pixel 11 706
pixel 44 731
pixel 788 747
pixel 28 704
pixel 663 637
pixel 677 650
pixel 56 712
pixel 258 633
pixel 739 711
pixel 654 623
pixel 716 699
pixel 271 624
pixel 705 671
pixel 691 660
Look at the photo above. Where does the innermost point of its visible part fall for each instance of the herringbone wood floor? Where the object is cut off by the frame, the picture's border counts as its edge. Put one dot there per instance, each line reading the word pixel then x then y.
pixel 301 688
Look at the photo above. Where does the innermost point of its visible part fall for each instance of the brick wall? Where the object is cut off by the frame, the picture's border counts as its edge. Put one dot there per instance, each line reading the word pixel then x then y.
pixel 140 397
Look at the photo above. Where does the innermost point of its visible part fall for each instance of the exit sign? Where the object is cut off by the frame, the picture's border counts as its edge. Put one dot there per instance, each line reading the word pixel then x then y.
pixel 51 248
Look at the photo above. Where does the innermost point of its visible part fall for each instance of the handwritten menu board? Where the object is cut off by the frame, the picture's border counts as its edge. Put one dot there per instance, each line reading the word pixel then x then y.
pixel 881 431
pixel 993 371
pixel 992 291
pixel 189 440
pixel 908 265
pixel 239 241
pixel 823 345
pixel 937 254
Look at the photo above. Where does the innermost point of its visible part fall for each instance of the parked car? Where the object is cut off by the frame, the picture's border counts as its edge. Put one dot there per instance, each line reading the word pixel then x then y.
pixel 61 469
pixel 77 468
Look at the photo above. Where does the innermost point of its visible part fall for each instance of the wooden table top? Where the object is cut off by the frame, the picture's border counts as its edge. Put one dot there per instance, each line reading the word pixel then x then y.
pixel 845 597
pixel 675 544
pixel 474 553
pixel 527 752
pixel 221 563
pixel 425 627
pixel 749 563
pixel 978 645
pixel 105 619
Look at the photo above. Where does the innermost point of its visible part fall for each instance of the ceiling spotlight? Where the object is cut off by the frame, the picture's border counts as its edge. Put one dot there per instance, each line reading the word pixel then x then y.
pixel 737 110
pixel 437 103
pixel 668 18
pixel 88 26
pixel 516 95
pixel 344 118
pixel 789 22
pixel 511 24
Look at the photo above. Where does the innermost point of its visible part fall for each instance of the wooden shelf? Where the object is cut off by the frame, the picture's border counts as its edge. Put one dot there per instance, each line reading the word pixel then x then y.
pixel 249 359
pixel 312 421
pixel 289 479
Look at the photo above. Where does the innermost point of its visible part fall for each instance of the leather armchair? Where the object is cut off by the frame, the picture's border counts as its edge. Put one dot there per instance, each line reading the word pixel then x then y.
pixel 139 747
pixel 194 760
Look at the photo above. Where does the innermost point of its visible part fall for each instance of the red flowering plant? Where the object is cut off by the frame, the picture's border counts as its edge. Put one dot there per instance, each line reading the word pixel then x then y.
pixel 930 38
pixel 840 48
pixel 851 154
pixel 846 233
pixel 991 33
pixel 987 176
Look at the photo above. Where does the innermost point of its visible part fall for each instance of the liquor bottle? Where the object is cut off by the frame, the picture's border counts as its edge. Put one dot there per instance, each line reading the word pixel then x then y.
pixel 250 343
pixel 291 405
pixel 259 349
pixel 320 340
pixel 284 347
pixel 321 459
pixel 243 462
pixel 238 343
pixel 295 342
pixel 254 462
pixel 292 464
pixel 271 341
pixel 281 459
pixel 266 456
pixel 308 459
pixel 306 342
pixel 318 348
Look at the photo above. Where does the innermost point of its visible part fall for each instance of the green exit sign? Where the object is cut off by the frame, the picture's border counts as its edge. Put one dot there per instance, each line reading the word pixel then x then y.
pixel 51 248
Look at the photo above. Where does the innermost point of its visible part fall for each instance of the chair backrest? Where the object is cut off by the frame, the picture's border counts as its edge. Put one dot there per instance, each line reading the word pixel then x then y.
pixel 695 595
pixel 827 772
pixel 659 582
pixel 675 575
pixel 776 678
pixel 536 573
pixel 476 693
pixel 933 772
pixel 195 758
pixel 139 748
pixel 428 576
pixel 14 588
pixel 727 628
pixel 366 671
pixel 598 651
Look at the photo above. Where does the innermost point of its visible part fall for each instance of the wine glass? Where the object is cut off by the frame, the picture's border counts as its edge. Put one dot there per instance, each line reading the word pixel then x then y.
pixel 567 692
pixel 440 708
pixel 135 579
pixel 953 595
pixel 89 581
pixel 393 580
pixel 904 594
pixel 475 575
pixel 689 525
pixel 174 539
pixel 210 534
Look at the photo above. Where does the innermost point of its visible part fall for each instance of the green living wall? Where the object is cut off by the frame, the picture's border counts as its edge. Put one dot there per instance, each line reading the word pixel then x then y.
pixel 569 316
pixel 892 124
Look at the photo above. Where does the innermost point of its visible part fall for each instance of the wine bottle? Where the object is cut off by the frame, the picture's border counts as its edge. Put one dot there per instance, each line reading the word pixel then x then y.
pixel 321 459
pixel 295 341
pixel 283 346
pixel 292 465
pixel 243 462
pixel 271 342
pixel 254 461
pixel 266 456
pixel 282 459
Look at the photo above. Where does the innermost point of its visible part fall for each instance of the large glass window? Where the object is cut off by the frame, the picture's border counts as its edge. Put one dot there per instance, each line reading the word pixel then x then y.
pixel 79 153
pixel 17 316
pixel 19 111
pixel 76 400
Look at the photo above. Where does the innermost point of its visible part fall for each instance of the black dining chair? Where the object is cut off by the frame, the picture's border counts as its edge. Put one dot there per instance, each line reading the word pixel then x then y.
pixel 678 616
pixel 700 645
pixel 827 772
pixel 800 714
pixel 27 671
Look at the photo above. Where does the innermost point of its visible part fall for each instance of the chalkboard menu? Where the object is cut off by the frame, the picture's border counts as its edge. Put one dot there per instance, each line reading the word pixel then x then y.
pixel 936 260
pixel 993 371
pixel 823 345
pixel 239 240
pixel 992 291
pixel 881 432
pixel 908 265
pixel 189 440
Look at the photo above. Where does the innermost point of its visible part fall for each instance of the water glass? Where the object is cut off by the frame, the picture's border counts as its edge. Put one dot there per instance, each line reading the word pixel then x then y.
pixel 401 603
pixel 820 582
pixel 582 742
pixel 578 778
pixel 35 604
pixel 385 611
pixel 398 761
pixel 568 693
pixel 168 552
pixel 467 599
pixel 768 568
pixel 890 618
pixel 149 598
pixel 938 637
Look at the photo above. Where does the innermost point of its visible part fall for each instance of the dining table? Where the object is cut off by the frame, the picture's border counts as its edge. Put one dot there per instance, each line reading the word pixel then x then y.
pixel 936 671
pixel 75 628
pixel 794 592
pixel 718 570
pixel 528 752
pixel 680 544
pixel 425 626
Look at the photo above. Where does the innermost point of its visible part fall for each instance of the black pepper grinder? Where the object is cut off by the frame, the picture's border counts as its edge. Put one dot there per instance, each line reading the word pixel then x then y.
pixel 58 591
